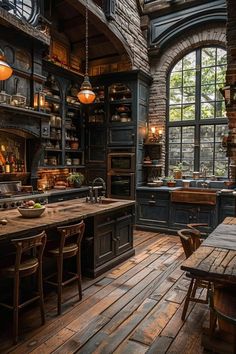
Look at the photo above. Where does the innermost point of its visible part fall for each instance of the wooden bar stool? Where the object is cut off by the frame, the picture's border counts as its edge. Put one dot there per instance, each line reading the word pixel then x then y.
pixel 28 261
pixel 191 240
pixel 69 246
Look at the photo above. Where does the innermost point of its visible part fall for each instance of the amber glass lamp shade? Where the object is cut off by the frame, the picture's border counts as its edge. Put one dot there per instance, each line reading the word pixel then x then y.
pixel 5 69
pixel 86 94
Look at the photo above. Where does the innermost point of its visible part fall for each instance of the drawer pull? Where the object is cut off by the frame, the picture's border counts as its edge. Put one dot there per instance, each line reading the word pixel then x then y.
pixel 60 199
pixel 151 202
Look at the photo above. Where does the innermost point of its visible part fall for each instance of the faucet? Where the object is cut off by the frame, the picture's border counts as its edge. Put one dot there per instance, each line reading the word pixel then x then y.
pixel 93 191
pixel 101 180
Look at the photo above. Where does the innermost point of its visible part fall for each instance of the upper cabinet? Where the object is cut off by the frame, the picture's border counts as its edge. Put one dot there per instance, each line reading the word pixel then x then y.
pixel 64 147
pixel 53 105
pixel 120 103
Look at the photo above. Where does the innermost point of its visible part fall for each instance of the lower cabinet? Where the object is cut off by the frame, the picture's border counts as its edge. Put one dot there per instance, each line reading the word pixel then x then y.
pixel 152 209
pixel 226 206
pixel 108 241
pixel 183 214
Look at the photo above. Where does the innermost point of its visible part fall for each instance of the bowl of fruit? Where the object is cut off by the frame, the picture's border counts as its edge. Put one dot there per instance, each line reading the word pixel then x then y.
pixel 30 209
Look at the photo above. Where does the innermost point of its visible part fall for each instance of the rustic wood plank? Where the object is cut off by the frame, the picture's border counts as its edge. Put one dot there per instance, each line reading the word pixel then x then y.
pixel 154 323
pixel 160 345
pixel 131 347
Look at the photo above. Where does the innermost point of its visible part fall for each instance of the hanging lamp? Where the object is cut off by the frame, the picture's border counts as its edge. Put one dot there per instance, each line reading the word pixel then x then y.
pixel 86 94
pixel 5 69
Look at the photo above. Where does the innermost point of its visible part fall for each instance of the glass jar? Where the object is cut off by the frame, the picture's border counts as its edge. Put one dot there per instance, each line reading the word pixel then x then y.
pixel 5 98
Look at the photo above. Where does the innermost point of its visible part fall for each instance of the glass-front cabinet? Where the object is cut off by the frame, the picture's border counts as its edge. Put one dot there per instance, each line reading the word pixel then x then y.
pixel 53 144
pixel 74 132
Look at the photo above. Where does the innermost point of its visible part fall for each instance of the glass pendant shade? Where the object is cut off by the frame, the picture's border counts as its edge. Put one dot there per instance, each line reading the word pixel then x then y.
pixel 86 94
pixel 5 70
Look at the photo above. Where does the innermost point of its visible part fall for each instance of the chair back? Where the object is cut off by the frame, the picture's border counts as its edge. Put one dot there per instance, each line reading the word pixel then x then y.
pixel 190 239
pixel 23 245
pixel 71 234
pixel 202 227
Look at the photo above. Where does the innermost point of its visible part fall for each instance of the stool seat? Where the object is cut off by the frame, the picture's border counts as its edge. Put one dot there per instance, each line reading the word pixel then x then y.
pixel 67 251
pixel 27 267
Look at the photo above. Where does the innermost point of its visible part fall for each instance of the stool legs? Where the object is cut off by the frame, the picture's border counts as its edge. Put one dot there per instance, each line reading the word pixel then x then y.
pixel 16 308
pixel 78 264
pixel 59 283
pixel 41 297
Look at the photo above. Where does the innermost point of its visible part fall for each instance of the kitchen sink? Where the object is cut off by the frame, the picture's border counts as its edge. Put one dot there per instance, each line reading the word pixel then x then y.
pixel 194 196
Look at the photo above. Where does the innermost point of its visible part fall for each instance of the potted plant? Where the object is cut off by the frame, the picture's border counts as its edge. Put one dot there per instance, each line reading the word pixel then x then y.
pixel 170 181
pixel 75 179
pixel 177 170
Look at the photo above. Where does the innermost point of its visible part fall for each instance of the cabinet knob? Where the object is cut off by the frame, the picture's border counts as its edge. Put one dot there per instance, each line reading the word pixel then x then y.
pixel 108 218
pixel 152 196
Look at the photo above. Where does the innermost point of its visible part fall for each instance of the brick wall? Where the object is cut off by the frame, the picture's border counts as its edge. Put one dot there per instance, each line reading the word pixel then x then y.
pixel 161 66
pixel 231 79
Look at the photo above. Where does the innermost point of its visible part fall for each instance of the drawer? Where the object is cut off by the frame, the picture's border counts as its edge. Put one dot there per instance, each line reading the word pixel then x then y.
pixel 145 195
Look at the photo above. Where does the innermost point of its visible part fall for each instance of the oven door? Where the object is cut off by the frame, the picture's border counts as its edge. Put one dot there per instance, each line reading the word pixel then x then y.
pixel 121 162
pixel 120 185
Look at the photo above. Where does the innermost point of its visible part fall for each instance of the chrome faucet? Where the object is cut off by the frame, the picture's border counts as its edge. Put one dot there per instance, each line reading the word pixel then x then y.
pixel 93 190
pixel 204 184
pixel 101 180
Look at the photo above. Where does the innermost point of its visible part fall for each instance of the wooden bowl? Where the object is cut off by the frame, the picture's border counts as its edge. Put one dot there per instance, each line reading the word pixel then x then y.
pixel 31 212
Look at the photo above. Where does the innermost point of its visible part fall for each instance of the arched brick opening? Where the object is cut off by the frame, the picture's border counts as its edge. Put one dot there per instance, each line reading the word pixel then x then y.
pixel 161 66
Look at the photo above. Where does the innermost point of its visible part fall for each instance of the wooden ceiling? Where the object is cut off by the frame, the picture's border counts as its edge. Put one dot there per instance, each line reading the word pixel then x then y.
pixel 68 17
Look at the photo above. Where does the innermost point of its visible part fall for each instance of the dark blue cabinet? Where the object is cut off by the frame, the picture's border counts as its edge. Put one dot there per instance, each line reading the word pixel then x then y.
pixel 183 214
pixel 152 209
pixel 226 206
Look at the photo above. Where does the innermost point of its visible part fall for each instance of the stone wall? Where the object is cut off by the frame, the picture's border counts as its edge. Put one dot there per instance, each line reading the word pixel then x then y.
pixel 161 66
pixel 128 23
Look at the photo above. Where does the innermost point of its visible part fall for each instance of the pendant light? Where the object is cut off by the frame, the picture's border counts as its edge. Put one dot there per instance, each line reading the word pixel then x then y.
pixel 5 69
pixel 86 94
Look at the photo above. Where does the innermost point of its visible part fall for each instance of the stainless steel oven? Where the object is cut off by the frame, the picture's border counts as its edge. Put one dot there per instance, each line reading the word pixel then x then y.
pixel 121 162
pixel 120 185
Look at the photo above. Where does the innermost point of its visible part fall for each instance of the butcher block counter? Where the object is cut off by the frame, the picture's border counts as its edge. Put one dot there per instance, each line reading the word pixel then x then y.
pixel 108 238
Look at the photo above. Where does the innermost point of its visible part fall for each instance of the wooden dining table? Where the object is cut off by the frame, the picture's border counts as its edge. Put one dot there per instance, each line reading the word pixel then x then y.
pixel 215 259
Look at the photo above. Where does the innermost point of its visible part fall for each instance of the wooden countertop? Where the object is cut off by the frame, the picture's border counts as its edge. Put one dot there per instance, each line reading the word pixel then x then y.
pixel 55 215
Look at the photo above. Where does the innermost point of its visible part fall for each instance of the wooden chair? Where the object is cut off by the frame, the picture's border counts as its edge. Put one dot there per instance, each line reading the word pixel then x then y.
pixel 69 246
pixel 223 309
pixel 28 261
pixel 191 240
pixel 199 227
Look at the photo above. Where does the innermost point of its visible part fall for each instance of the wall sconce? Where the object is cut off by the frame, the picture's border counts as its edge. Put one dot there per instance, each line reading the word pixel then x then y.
pixel 5 69
pixel 229 94
pixel 156 135
pixel 39 101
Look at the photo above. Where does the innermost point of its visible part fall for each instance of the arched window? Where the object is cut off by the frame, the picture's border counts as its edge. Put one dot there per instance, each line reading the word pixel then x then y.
pixel 196 113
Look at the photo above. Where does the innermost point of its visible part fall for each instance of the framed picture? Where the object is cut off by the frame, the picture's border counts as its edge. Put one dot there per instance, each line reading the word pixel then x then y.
pixel 60 51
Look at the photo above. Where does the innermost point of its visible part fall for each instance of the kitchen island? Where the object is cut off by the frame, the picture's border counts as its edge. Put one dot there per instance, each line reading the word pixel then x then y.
pixel 108 238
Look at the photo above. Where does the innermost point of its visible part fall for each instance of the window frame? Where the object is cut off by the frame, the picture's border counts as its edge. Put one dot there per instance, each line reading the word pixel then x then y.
pixel 197 122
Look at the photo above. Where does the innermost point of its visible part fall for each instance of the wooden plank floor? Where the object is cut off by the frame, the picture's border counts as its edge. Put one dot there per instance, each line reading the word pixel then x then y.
pixel 133 309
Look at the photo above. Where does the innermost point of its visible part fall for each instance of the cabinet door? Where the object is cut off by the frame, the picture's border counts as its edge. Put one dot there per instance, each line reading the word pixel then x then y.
pixel 153 212
pixel 96 149
pixel 124 234
pixel 207 215
pixel 121 136
pixel 226 207
pixel 105 242
pixel 182 214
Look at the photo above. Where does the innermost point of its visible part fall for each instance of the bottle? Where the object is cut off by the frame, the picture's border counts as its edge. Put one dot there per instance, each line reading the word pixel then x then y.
pixel 7 166
pixel 1 167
